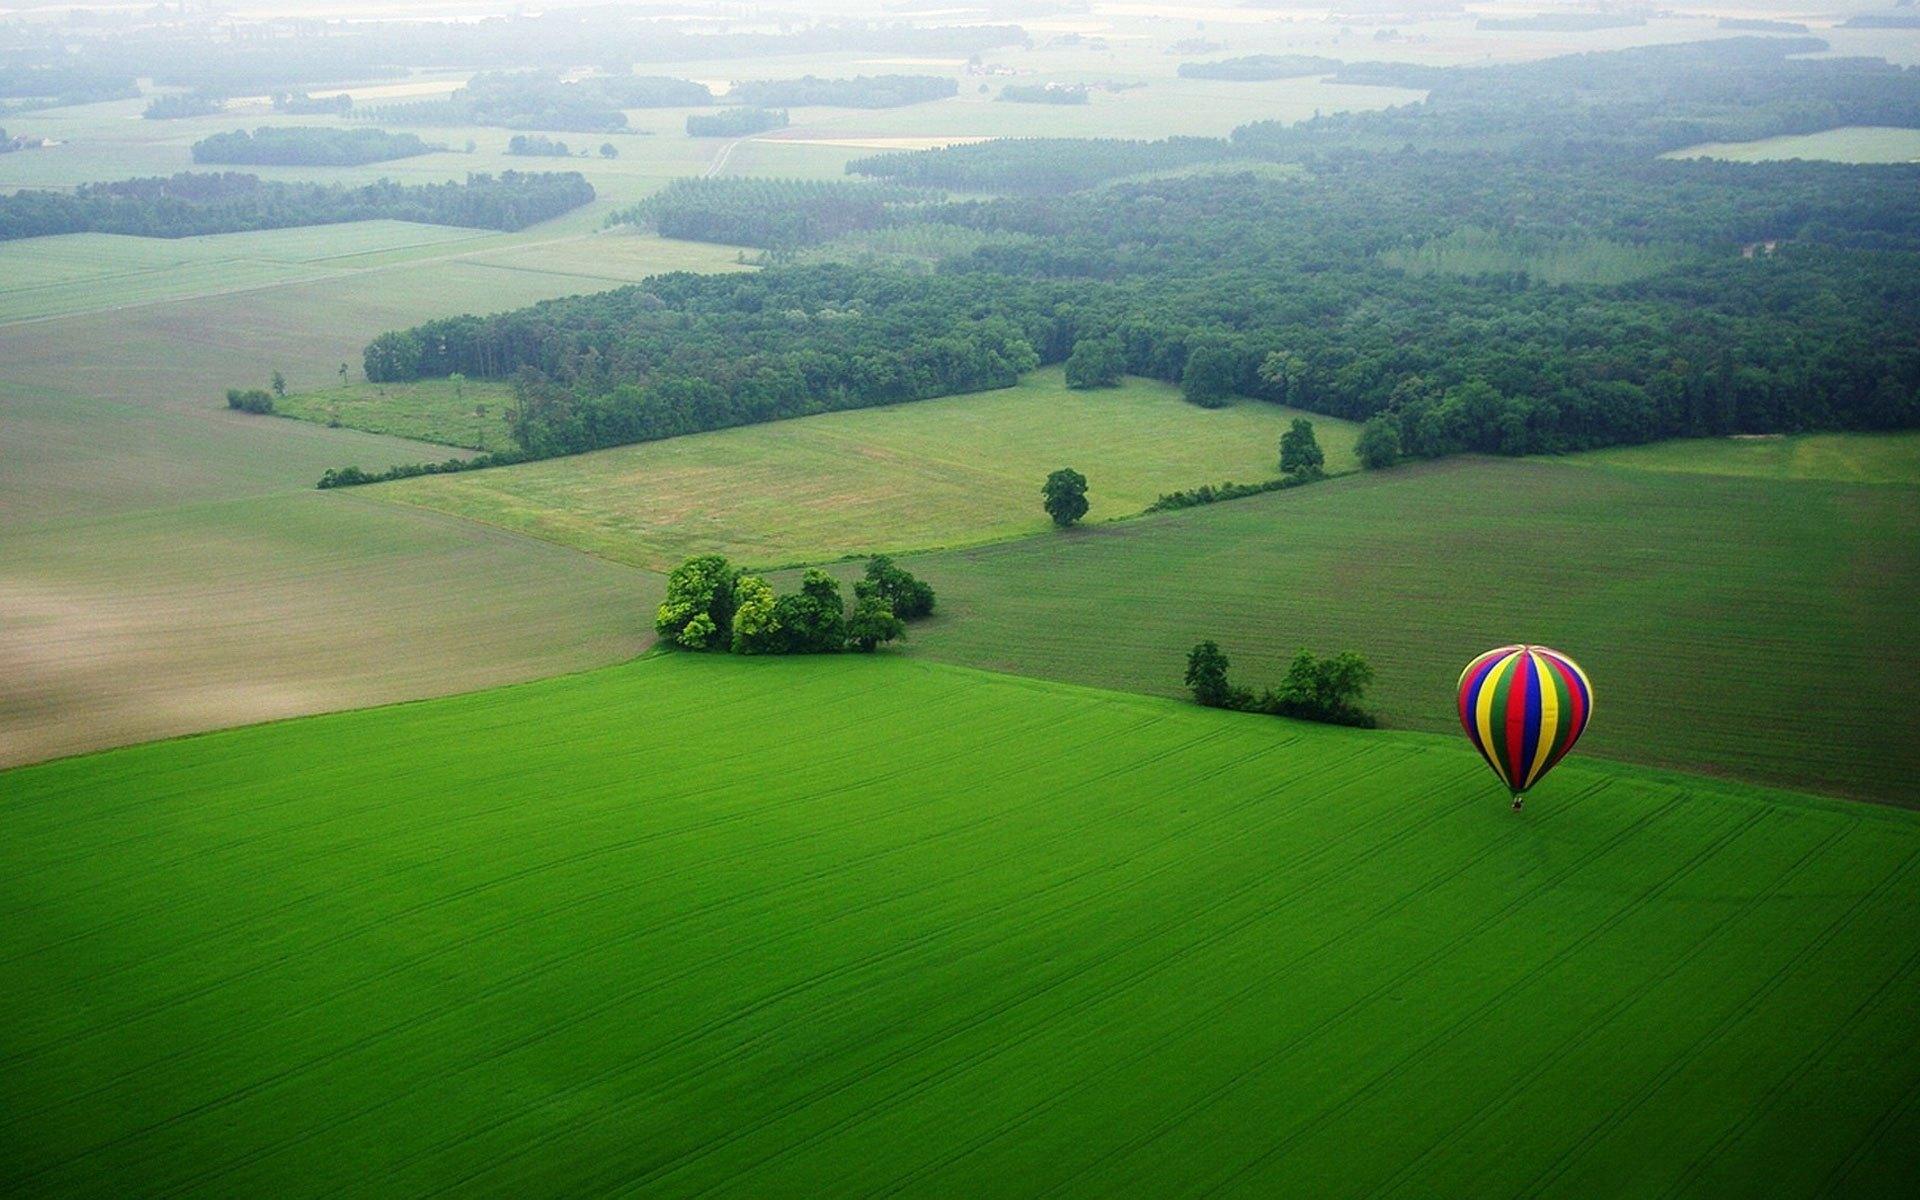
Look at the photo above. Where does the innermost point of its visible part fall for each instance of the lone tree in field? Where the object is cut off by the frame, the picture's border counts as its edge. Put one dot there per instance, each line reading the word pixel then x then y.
pixel 279 385
pixel 1379 444
pixel 1207 675
pixel 1300 455
pixel 1210 376
pixel 1065 494
pixel 1096 362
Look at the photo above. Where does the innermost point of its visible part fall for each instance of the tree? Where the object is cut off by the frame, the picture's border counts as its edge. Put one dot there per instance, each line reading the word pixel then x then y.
pixel 607 150
pixel 1207 675
pixel 1065 495
pixel 813 620
pixel 872 623
pixel 755 629
pixel 1210 376
pixel 1096 362
pixel 279 384
pixel 1300 454
pixel 1327 689
pixel 910 598
pixel 698 610
pixel 1379 444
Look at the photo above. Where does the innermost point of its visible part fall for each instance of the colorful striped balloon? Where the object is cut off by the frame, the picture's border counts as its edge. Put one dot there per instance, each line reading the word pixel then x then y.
pixel 1523 708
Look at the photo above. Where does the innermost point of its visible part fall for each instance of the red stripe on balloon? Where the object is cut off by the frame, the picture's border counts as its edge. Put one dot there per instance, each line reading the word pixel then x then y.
pixel 1517 718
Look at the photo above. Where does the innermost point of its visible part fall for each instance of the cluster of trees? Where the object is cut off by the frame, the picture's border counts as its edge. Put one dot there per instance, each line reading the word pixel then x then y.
pixel 736 122
pixel 184 104
pixel 537 145
pixel 26 86
pixel 188 204
pixel 864 91
pixel 1044 93
pixel 250 400
pixel 769 213
pixel 713 605
pixel 1254 67
pixel 686 353
pixel 301 145
pixel 1314 689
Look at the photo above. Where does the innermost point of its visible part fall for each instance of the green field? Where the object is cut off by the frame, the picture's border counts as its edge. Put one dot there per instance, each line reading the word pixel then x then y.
pixel 945 472
pixel 710 923
pixel 1855 144
pixel 1839 457
pixel 428 410
pixel 1760 628
pixel 1583 260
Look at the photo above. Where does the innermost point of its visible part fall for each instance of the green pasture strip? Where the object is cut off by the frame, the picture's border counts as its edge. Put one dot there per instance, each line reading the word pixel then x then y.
pixel 1761 628
pixel 1840 457
pixel 954 471
pixel 789 926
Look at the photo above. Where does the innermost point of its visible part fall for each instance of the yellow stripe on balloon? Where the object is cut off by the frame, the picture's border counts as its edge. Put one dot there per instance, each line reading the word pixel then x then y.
pixel 1549 719
pixel 1483 714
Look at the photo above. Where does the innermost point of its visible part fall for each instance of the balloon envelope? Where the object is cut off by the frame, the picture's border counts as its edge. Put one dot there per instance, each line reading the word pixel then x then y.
pixel 1523 708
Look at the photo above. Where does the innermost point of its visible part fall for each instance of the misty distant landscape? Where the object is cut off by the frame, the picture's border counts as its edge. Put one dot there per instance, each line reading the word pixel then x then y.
pixel 993 597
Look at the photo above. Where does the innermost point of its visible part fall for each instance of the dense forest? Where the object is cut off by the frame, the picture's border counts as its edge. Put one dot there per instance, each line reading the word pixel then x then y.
pixel 300 145
pixel 23 88
pixel 537 145
pixel 1685 297
pixel 770 213
pixel 865 91
pixel 186 205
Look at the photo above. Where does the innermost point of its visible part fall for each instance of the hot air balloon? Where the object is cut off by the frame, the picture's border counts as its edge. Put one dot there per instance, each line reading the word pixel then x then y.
pixel 1523 708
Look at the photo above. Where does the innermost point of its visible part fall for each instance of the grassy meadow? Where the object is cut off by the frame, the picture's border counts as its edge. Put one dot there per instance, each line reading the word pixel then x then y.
pixel 947 472
pixel 471 414
pixel 1854 144
pixel 1755 627
pixel 692 924
pixel 1836 457
pixel 1582 260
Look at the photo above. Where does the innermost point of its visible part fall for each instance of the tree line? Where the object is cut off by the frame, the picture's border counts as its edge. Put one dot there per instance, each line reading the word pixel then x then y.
pixel 188 204
pixel 304 145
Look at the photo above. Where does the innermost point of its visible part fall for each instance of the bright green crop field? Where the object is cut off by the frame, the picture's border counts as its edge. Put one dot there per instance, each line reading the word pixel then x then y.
pixel 934 473
pixel 1760 627
pixel 874 926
